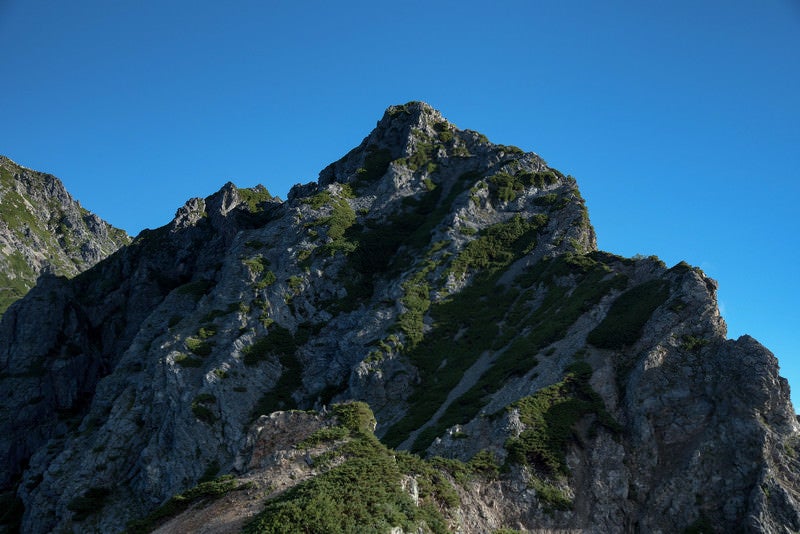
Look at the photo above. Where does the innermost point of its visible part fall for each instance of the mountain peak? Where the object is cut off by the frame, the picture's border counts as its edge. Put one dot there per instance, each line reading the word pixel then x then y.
pixel 451 287
pixel 415 113
pixel 416 136
pixel 44 230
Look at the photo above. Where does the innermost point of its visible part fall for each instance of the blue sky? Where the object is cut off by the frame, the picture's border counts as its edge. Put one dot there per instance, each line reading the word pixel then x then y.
pixel 680 119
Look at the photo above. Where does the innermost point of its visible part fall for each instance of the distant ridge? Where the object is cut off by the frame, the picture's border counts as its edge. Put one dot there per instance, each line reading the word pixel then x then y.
pixel 44 230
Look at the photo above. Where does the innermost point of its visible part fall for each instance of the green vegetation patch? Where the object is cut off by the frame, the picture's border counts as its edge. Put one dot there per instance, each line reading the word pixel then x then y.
pixel 352 418
pixel 511 149
pixel 199 346
pixel 681 268
pixel 16 281
pixel 380 242
pixel 625 320
pixel 388 247
pixel 362 493
pixel 505 187
pixel 317 201
pixel 357 417
pixel 550 416
pixel 443 356
pixel 279 340
pixel 463 331
pixel 341 218
pixel 295 283
pixel 550 495
pixel 206 332
pixel 397 110
pixel 324 435
pixel 267 279
pixel 498 245
pixel 14 209
pixel 254 197
pixel 422 158
pixel 256 265
pixel 417 302
pixel 445 132
pixel 546 200
pixel 483 465
pixel 376 163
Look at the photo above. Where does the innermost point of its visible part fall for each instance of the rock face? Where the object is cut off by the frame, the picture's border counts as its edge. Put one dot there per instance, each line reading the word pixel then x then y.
pixel 451 284
pixel 43 230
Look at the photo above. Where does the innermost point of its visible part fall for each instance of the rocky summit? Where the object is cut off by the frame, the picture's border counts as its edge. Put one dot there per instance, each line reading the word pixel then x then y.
pixel 426 339
pixel 43 230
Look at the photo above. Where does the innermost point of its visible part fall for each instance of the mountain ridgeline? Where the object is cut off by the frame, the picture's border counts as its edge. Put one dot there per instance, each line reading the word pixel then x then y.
pixel 426 339
pixel 43 230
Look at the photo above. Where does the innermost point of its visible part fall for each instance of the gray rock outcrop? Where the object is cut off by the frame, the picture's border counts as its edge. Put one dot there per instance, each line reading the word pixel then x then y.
pixel 452 284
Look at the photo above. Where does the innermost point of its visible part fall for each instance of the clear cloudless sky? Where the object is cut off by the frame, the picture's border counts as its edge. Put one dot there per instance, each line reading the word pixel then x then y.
pixel 680 119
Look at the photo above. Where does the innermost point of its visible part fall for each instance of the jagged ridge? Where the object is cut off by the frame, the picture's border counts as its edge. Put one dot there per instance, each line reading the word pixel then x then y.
pixel 452 284
pixel 44 230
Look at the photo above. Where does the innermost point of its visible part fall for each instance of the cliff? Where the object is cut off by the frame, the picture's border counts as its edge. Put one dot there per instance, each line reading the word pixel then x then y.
pixel 453 288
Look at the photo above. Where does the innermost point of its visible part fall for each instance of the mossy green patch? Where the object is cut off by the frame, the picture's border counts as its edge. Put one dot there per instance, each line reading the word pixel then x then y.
pixel 341 218
pixel 499 245
pixel 550 495
pixel 279 340
pixel 363 492
pixel 506 187
pixel 483 465
pixel 199 346
pixel 254 197
pixel 357 417
pixel 15 281
pixel 317 201
pixel 550 416
pixel 376 163
pixel 324 435
pixel 469 324
pixel 416 301
pixel 625 320
pixel 256 265
pixel 14 210
pixel 387 248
